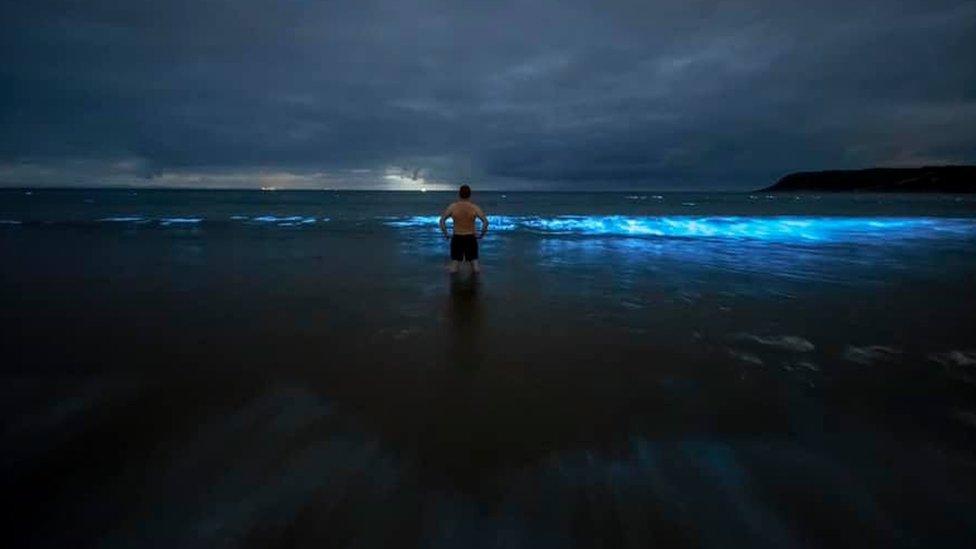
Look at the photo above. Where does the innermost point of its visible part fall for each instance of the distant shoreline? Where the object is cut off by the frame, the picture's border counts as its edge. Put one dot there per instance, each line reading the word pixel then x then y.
pixel 928 179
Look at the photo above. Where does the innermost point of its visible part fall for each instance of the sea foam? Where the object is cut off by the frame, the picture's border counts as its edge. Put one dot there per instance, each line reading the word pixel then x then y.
pixel 180 220
pixel 786 342
pixel 122 219
pixel 779 228
pixel 870 354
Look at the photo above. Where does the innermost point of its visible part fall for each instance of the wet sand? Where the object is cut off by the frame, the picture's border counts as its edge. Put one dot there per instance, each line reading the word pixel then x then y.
pixel 208 388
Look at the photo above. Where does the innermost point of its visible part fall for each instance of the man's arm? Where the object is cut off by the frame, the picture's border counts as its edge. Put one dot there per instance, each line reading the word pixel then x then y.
pixel 443 221
pixel 484 222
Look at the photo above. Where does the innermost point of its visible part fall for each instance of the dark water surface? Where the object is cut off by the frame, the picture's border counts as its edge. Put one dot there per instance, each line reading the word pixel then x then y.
pixel 222 368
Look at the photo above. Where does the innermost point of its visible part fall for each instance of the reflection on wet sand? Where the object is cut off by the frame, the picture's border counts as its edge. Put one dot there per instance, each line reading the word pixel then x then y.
pixel 325 384
pixel 465 315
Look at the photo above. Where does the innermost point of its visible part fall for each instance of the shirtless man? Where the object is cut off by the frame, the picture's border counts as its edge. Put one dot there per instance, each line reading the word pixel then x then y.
pixel 464 243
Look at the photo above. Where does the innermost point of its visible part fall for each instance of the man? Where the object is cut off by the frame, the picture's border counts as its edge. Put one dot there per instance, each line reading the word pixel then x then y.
pixel 464 243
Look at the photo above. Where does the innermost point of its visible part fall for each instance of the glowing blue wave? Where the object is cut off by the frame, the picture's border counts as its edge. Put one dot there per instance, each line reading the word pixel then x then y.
pixel 292 219
pixel 286 221
pixel 281 221
pixel 180 221
pixel 123 219
pixel 784 228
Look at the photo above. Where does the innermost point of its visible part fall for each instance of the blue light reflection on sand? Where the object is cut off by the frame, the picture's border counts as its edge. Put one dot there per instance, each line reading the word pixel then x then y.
pixel 782 229
pixel 684 260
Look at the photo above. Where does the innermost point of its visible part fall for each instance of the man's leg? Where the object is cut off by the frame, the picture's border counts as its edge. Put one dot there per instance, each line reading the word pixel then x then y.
pixel 471 254
pixel 457 254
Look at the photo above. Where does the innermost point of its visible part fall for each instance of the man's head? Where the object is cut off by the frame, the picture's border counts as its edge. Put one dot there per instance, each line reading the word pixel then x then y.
pixel 464 191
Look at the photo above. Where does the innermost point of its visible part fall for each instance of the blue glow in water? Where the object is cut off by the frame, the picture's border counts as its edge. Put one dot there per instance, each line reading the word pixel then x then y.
pixel 276 219
pixel 415 221
pixel 782 228
pixel 180 220
pixel 285 221
pixel 122 219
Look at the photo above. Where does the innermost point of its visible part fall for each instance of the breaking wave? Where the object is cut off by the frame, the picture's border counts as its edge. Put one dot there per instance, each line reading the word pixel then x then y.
pixel 807 229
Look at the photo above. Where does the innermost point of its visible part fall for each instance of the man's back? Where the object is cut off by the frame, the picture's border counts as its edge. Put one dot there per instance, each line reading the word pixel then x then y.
pixel 464 243
pixel 464 212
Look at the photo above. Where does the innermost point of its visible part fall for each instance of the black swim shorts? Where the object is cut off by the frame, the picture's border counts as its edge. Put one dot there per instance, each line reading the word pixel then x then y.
pixel 464 246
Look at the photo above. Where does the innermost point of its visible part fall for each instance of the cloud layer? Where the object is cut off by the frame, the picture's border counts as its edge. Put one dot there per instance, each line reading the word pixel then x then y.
pixel 544 94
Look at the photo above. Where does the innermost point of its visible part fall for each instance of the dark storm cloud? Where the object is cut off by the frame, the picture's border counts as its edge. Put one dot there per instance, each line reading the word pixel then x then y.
pixel 568 94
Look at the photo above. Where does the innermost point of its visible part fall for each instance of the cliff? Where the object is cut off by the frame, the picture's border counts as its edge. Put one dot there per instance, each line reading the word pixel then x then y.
pixel 931 179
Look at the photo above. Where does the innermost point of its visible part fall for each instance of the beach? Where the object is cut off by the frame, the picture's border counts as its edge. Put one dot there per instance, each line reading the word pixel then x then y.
pixel 246 368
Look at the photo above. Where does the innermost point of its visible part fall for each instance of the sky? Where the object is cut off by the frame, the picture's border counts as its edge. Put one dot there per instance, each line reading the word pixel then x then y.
pixel 405 94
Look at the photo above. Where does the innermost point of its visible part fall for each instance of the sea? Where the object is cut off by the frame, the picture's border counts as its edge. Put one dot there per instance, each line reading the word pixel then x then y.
pixel 223 368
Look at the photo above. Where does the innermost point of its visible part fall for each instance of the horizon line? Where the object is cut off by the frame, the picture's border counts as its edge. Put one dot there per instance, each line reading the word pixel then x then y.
pixel 346 189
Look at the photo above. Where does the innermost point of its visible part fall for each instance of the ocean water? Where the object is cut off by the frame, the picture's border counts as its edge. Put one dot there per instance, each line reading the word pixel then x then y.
pixel 242 368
